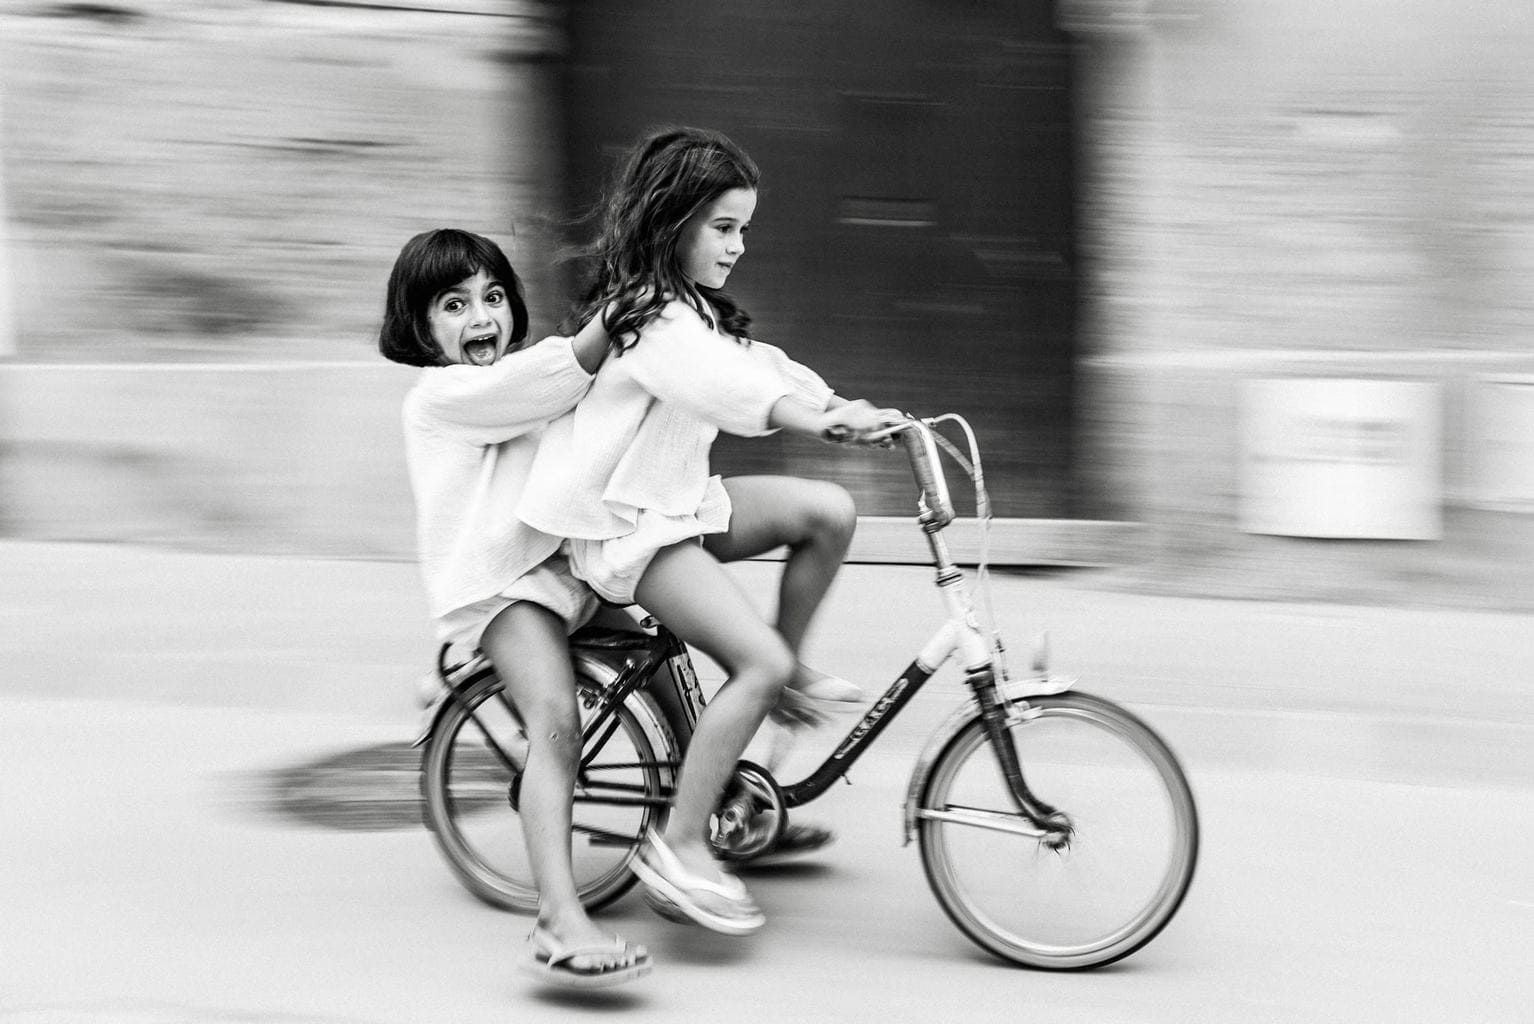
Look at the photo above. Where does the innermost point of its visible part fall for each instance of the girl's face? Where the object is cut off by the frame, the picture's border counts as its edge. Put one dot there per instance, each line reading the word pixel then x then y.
pixel 471 321
pixel 715 237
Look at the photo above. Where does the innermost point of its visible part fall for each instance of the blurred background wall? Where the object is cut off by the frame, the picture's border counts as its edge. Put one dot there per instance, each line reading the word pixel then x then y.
pixel 205 197
pixel 1311 191
pixel 1092 226
pixel 914 238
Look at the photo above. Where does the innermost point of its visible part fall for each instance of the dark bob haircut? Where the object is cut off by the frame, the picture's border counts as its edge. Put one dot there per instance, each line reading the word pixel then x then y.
pixel 429 263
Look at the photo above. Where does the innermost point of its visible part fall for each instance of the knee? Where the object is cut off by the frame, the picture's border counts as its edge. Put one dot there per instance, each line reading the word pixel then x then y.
pixel 773 668
pixel 556 731
pixel 782 665
pixel 832 513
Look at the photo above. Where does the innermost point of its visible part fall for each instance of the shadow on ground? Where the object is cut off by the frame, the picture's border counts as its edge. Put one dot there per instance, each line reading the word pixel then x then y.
pixel 371 789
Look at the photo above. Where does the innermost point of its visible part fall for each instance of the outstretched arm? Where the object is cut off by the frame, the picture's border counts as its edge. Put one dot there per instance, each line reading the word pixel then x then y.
pixel 841 420
pixel 744 391
pixel 809 388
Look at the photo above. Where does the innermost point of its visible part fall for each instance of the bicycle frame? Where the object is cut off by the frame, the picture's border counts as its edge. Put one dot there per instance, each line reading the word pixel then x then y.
pixel 641 703
pixel 623 661
pixel 959 634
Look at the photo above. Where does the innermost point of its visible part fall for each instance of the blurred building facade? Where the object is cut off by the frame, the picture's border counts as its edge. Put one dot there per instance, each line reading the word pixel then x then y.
pixel 914 239
pixel 1292 192
pixel 1088 225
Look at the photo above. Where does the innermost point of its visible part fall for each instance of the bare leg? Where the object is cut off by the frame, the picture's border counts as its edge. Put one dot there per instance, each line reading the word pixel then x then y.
pixel 688 590
pixel 814 519
pixel 528 647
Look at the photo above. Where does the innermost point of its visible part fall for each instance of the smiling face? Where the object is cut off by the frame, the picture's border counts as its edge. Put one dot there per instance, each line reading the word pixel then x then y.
pixel 472 320
pixel 715 237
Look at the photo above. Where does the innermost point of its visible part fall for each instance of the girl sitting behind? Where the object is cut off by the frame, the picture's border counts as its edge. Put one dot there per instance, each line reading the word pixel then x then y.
pixel 472 422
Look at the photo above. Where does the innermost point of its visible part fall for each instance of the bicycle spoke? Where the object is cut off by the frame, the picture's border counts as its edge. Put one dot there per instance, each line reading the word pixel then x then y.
pixel 605 837
pixel 1122 867
pixel 471 773
pixel 639 800
pixel 494 745
pixel 593 747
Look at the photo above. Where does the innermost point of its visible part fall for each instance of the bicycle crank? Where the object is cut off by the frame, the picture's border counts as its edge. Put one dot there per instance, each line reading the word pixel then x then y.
pixel 751 817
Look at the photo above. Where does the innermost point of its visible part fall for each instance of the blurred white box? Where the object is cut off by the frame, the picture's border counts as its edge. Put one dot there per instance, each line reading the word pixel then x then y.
pixel 1342 458
pixel 1501 437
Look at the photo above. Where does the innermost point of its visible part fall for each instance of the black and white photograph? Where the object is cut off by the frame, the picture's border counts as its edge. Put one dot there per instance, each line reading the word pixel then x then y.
pixel 798 510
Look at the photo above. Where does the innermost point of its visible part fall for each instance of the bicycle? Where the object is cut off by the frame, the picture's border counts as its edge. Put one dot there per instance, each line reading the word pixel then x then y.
pixel 1057 830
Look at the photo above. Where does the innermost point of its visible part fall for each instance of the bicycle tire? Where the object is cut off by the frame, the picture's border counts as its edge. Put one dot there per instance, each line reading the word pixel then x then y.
pixel 470 796
pixel 1021 900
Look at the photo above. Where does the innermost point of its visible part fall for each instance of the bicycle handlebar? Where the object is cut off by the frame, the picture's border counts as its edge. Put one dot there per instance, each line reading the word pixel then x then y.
pixel 916 436
pixel 937 507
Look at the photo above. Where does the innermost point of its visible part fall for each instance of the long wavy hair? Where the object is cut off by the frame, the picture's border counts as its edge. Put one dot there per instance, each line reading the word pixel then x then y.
pixel 668 176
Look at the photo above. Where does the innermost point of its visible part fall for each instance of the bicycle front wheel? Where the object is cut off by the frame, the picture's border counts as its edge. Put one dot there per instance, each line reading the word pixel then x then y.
pixel 471 778
pixel 1130 857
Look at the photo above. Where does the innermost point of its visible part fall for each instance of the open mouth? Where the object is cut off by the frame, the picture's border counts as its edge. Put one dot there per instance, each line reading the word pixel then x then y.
pixel 480 351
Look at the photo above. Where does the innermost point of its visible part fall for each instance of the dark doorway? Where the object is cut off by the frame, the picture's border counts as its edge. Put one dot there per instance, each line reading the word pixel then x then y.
pixel 914 238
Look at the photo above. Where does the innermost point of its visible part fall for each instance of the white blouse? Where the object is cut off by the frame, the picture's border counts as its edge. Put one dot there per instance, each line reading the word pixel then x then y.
pixel 471 433
pixel 640 439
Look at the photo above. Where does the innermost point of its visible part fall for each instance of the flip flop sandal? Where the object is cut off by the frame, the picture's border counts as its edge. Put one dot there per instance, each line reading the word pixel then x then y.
pixel 832 690
pixel 665 908
pixel 660 870
pixel 812 706
pixel 552 961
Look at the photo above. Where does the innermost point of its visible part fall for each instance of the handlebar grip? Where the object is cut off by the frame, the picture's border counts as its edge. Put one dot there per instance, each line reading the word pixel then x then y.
pixel 929 475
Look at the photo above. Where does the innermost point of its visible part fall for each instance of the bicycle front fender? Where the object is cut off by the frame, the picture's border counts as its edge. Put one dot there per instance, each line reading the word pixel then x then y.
pixel 952 725
pixel 1011 692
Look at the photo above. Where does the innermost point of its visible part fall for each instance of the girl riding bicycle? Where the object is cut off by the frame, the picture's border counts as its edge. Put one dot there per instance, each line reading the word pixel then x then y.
pixel 472 422
pixel 626 477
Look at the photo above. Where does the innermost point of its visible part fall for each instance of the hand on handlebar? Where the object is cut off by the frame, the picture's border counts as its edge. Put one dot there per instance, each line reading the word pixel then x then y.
pixel 860 422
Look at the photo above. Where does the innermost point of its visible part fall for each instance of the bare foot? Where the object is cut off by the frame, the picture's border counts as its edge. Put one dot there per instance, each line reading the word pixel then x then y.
pixel 574 930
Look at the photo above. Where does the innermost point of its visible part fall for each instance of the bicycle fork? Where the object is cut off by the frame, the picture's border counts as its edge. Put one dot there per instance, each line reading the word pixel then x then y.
pixel 996 715
pixel 997 711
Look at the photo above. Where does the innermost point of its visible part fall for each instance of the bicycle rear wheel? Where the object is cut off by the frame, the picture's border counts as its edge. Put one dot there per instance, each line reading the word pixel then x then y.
pixel 1129 862
pixel 471 775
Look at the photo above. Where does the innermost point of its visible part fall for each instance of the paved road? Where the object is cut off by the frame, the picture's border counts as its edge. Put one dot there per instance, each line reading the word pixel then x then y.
pixel 1363 861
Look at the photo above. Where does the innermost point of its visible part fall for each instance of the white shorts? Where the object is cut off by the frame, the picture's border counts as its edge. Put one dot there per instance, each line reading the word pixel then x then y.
pixel 613 567
pixel 550 584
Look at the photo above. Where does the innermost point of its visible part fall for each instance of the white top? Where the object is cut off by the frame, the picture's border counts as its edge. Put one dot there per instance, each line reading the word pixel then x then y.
pixel 470 436
pixel 640 439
